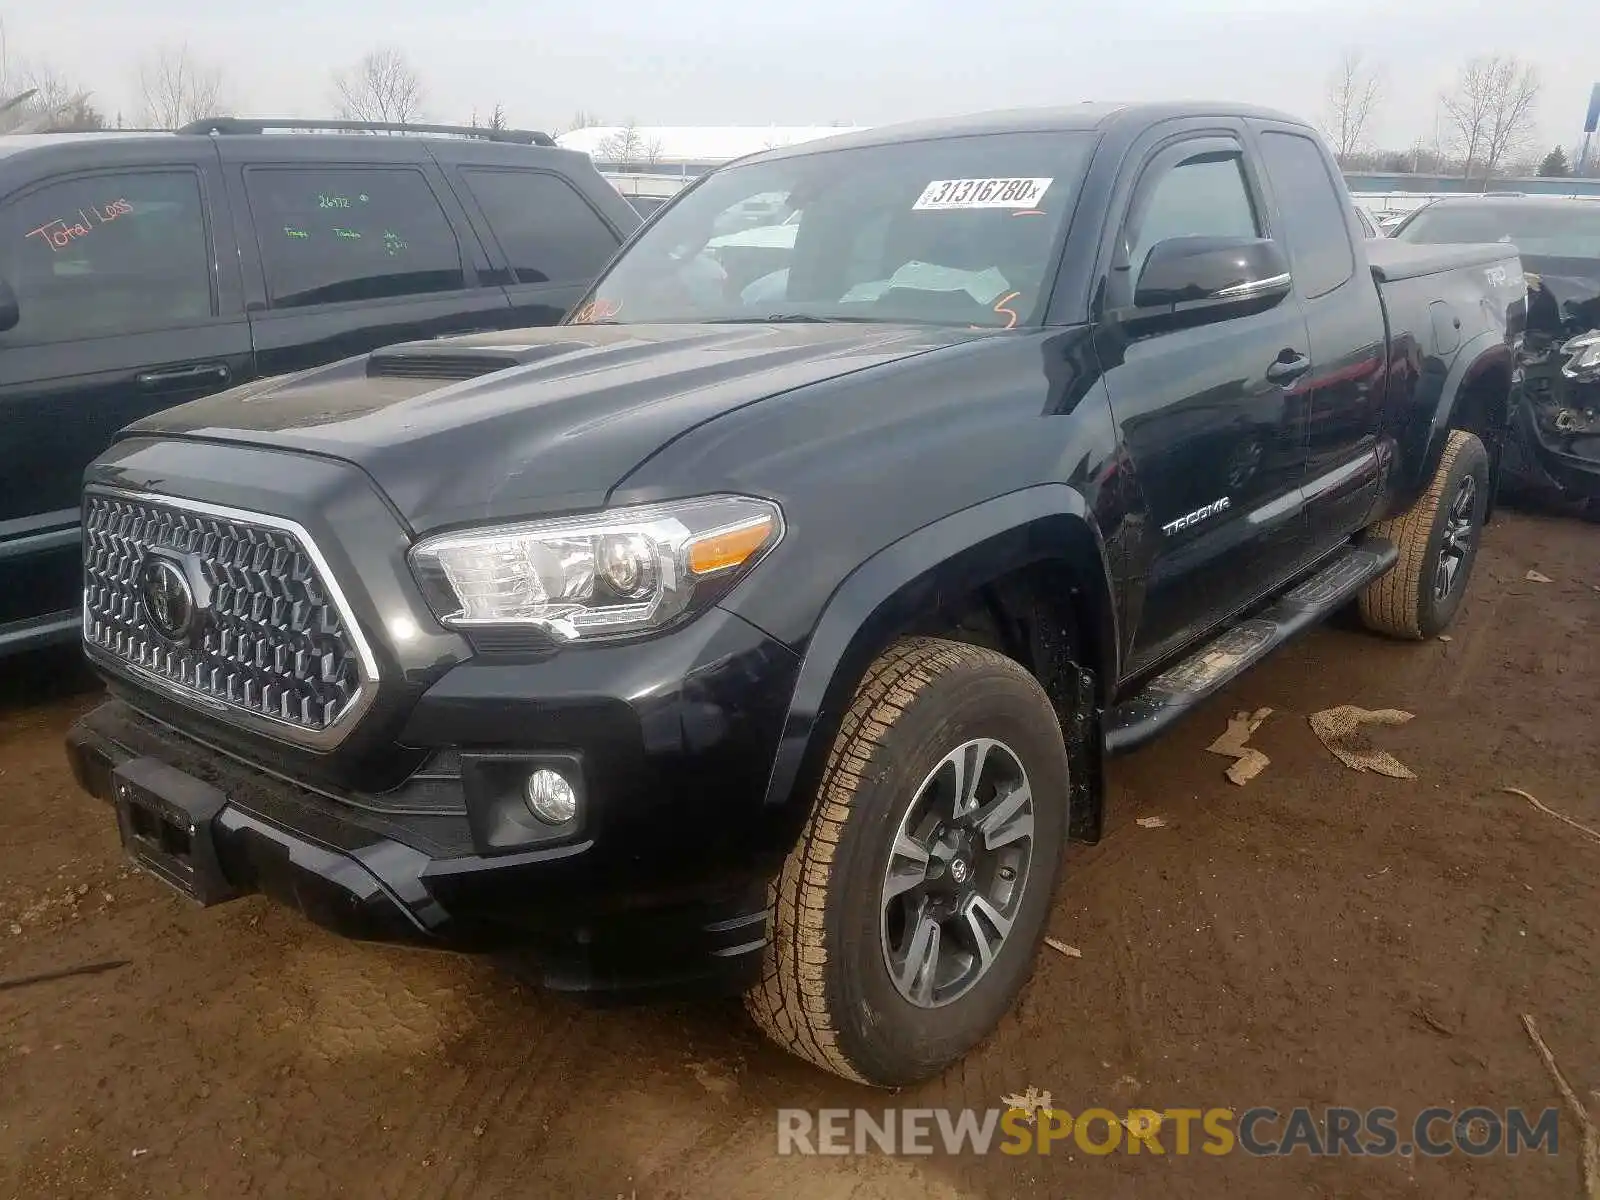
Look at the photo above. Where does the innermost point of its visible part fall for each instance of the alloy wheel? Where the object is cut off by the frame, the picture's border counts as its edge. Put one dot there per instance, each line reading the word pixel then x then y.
pixel 1460 527
pixel 957 872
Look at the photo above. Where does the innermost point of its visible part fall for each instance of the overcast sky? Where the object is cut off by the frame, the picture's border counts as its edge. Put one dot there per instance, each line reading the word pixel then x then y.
pixel 736 62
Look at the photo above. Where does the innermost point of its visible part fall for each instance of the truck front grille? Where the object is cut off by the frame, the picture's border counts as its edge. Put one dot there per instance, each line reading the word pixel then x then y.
pixel 249 624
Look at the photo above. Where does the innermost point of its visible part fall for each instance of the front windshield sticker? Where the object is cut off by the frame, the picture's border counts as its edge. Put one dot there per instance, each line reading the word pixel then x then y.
pixel 595 311
pixel 981 193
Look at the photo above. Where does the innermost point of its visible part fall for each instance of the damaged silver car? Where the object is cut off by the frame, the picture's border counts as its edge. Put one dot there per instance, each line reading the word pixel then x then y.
pixel 1554 446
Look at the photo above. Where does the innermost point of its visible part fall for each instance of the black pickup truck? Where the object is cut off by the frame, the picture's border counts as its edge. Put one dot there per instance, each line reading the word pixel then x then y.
pixel 765 625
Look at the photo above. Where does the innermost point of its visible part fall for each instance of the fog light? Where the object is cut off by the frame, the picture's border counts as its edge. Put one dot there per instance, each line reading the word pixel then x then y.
pixel 551 797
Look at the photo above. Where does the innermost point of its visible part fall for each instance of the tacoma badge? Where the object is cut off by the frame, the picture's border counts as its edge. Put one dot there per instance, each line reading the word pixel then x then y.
pixel 1194 518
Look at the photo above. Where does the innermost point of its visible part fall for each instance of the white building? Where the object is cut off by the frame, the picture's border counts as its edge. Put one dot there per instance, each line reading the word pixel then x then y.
pixel 686 149
pixel 654 161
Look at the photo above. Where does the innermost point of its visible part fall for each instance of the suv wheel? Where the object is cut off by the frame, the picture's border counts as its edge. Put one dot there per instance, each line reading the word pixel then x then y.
pixel 907 917
pixel 1438 542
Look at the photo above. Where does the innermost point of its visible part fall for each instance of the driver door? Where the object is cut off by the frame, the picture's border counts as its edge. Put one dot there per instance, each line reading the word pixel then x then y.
pixel 1211 424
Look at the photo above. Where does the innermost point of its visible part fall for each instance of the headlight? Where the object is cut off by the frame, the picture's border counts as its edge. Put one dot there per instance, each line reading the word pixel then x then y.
pixel 625 571
pixel 1584 364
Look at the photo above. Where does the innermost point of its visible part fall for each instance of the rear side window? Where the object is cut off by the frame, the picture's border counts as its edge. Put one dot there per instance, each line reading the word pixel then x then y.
pixel 106 254
pixel 1313 212
pixel 1205 196
pixel 547 230
pixel 351 233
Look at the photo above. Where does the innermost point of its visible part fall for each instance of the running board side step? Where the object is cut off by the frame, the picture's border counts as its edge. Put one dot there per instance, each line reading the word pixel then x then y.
pixel 1161 702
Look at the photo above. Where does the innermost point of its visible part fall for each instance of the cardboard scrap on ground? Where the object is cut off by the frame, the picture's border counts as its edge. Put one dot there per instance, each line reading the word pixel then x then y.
pixel 1030 1103
pixel 1535 577
pixel 1248 762
pixel 1151 822
pixel 1343 731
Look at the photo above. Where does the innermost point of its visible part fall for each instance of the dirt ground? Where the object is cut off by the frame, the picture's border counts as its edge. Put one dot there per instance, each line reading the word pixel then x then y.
pixel 1317 937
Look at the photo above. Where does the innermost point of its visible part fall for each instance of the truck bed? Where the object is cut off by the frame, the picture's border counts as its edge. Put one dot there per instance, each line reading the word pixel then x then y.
pixel 1393 261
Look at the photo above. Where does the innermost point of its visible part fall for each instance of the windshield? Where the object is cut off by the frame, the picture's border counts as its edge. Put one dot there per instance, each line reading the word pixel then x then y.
pixel 1569 230
pixel 955 231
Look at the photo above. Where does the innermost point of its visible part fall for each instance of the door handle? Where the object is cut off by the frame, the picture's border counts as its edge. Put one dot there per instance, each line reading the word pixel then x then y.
pixel 199 373
pixel 1286 370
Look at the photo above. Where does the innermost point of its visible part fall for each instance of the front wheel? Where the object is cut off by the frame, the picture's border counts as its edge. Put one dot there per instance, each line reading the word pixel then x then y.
pixel 907 917
pixel 1438 542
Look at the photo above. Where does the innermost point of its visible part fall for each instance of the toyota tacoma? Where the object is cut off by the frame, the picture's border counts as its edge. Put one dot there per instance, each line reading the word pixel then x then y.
pixel 764 626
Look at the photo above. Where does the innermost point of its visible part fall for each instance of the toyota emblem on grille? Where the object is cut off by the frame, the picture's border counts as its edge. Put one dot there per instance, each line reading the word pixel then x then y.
pixel 168 598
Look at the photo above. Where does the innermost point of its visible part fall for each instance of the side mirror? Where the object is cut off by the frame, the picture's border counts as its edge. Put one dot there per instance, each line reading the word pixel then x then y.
pixel 1211 278
pixel 9 314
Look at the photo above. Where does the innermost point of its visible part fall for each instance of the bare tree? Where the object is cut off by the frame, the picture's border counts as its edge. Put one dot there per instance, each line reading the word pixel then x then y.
pixel 383 86
pixel 629 149
pixel 1491 112
pixel 175 88
pixel 497 118
pixel 35 98
pixel 58 106
pixel 1582 156
pixel 1354 91
pixel 583 119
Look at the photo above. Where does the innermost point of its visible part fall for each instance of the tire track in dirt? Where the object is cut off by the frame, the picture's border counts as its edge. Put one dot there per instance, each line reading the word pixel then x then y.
pixel 449 1129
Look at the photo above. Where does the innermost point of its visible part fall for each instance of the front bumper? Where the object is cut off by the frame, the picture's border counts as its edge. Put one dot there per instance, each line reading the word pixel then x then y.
pixel 376 877
pixel 659 883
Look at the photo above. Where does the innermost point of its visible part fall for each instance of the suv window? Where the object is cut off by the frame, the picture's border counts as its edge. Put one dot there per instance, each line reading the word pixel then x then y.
pixel 1204 196
pixel 350 233
pixel 106 254
pixel 1313 212
pixel 547 230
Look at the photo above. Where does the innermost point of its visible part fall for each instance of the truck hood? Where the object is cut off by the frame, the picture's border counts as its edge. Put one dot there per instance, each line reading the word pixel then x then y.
pixel 531 421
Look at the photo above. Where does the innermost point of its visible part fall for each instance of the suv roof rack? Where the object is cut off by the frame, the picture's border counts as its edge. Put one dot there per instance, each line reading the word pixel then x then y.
pixel 242 125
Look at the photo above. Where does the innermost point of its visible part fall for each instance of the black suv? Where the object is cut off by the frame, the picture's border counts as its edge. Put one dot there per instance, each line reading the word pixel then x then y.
pixel 142 270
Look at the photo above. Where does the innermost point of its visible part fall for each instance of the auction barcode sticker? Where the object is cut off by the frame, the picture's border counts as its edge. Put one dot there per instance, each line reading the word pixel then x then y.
pixel 982 193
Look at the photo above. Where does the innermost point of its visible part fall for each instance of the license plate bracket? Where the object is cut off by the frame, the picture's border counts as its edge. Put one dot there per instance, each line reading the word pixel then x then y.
pixel 166 820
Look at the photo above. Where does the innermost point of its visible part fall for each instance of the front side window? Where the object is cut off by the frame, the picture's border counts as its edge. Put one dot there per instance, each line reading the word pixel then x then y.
pixel 954 231
pixel 1204 196
pixel 1313 211
pixel 546 229
pixel 350 233
pixel 106 254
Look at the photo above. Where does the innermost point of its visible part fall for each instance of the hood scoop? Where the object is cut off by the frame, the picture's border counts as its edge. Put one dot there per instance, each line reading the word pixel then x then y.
pixel 453 362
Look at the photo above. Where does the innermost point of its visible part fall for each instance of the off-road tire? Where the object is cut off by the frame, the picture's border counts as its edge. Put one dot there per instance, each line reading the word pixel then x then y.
pixel 826 994
pixel 1401 603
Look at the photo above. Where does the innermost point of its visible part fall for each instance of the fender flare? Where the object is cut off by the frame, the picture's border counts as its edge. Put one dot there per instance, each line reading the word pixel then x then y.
pixel 1481 354
pixel 958 553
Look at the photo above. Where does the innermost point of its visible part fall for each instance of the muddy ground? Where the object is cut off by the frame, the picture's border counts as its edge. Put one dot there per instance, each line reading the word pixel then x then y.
pixel 1317 937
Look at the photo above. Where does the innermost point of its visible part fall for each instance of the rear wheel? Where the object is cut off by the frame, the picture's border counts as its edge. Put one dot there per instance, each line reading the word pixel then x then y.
pixel 908 915
pixel 1438 542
